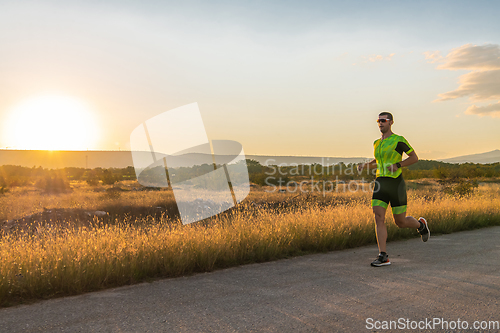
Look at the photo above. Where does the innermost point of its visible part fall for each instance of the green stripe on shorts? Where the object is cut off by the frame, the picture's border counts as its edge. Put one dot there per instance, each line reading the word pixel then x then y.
pixel 399 209
pixel 376 202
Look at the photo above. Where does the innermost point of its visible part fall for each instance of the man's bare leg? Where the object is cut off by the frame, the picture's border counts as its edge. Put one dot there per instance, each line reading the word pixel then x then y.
pixel 404 221
pixel 380 227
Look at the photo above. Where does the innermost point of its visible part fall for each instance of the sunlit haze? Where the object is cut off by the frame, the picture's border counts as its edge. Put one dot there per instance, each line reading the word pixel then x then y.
pixel 50 122
pixel 282 78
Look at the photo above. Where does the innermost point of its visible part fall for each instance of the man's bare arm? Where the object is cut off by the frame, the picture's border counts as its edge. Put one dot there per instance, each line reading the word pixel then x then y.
pixel 412 159
pixel 369 165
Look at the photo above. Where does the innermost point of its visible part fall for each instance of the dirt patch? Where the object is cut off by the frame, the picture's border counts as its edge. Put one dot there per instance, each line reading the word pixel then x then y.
pixel 71 217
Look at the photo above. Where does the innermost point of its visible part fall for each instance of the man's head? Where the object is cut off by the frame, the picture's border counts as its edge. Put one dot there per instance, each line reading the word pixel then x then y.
pixel 385 121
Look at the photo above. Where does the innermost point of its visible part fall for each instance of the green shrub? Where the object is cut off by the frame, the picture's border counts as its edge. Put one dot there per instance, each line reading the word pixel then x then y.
pixel 461 188
pixel 108 178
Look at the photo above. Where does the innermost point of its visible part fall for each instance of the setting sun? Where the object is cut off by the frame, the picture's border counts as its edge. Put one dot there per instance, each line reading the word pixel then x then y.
pixel 50 123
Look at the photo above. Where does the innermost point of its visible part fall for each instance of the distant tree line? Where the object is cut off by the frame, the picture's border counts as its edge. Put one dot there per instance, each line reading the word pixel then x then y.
pixel 451 171
pixel 58 179
pixel 265 175
pixel 55 179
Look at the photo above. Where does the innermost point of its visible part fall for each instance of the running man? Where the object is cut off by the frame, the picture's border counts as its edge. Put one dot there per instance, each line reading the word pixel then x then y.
pixel 390 187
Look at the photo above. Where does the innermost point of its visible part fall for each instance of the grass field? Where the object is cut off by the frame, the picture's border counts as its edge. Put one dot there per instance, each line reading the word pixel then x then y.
pixel 140 240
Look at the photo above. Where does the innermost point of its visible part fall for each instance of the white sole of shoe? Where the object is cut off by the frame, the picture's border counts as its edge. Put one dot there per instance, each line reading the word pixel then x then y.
pixel 425 237
pixel 383 264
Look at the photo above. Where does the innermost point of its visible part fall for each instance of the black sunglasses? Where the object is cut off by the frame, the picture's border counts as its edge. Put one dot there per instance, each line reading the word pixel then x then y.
pixel 382 120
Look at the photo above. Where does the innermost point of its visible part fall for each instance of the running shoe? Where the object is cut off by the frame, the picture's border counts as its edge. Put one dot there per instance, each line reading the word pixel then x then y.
pixel 424 231
pixel 382 260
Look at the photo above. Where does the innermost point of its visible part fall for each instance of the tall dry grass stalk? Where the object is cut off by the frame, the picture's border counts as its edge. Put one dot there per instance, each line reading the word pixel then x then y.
pixel 64 261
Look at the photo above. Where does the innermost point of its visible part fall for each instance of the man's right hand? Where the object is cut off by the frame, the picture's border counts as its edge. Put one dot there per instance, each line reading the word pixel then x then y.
pixel 361 166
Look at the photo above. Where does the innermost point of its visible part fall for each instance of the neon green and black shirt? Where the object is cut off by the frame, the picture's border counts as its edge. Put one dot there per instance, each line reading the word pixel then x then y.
pixel 388 152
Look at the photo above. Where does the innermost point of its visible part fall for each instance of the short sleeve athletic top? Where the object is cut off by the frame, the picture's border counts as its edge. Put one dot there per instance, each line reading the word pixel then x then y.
pixel 390 151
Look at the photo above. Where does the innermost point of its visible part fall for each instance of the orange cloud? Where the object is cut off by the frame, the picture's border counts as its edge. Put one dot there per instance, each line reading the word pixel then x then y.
pixel 482 84
pixel 379 57
pixel 492 110
pixel 433 57
pixel 376 58
pixel 473 57
pixel 478 86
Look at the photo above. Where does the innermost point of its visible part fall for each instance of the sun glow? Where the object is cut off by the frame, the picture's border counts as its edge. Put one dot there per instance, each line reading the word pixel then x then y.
pixel 50 123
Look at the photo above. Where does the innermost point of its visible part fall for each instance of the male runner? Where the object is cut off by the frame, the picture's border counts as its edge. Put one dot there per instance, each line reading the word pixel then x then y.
pixel 390 186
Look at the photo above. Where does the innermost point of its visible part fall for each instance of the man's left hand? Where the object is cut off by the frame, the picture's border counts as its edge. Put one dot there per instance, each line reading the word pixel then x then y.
pixel 392 168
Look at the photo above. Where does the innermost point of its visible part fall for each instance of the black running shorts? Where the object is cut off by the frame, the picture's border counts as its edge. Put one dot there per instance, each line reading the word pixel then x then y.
pixel 388 190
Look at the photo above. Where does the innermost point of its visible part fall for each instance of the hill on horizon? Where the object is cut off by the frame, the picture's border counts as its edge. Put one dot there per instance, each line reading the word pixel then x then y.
pixel 122 159
pixel 483 158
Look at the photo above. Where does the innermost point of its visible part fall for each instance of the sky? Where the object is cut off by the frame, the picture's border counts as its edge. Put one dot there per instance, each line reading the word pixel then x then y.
pixel 280 77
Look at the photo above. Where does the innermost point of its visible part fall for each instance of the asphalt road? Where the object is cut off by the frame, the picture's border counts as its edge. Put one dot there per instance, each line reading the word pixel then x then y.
pixel 450 278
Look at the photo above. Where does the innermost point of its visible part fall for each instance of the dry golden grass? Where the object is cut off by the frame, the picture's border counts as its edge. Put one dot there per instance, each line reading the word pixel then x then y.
pixel 23 201
pixel 64 261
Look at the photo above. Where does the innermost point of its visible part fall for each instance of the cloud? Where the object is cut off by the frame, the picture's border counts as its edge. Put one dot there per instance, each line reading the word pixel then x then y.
pixel 492 110
pixel 478 86
pixel 342 56
pixel 481 84
pixel 375 58
pixel 433 57
pixel 472 57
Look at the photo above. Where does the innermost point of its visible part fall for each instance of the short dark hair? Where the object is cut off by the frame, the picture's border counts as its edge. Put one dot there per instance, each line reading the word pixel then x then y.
pixel 388 114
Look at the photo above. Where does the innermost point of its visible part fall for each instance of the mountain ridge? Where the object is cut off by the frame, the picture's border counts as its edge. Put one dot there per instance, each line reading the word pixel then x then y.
pixel 482 158
pixel 122 159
